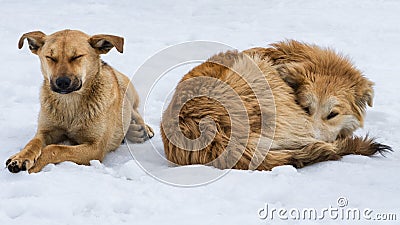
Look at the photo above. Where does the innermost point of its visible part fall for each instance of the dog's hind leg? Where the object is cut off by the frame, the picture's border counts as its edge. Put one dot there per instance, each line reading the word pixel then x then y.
pixel 138 131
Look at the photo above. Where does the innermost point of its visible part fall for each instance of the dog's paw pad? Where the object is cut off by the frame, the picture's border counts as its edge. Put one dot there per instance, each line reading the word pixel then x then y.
pixel 18 164
pixel 13 166
pixel 8 162
pixel 24 166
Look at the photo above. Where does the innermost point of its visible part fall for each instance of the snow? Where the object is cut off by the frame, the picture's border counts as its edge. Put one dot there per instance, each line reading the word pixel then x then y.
pixel 147 190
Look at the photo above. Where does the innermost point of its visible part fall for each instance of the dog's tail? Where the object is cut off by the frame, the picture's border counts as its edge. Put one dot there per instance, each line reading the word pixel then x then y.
pixel 310 154
pixel 360 146
pixel 323 151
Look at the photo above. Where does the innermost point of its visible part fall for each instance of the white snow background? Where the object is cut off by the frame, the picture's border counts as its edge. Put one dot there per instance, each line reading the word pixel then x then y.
pixel 118 191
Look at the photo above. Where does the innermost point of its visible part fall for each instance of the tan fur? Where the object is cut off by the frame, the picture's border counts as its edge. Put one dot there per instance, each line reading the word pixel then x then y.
pixel 94 113
pixel 201 112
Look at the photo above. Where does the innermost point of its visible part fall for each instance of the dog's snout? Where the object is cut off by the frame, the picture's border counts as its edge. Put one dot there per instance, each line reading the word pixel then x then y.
pixel 65 85
pixel 63 82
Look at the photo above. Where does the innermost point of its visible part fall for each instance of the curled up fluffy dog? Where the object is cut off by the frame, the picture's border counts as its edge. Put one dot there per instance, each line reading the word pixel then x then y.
pixel 263 108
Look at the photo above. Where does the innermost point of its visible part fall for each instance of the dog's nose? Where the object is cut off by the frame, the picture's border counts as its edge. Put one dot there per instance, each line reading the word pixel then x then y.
pixel 63 83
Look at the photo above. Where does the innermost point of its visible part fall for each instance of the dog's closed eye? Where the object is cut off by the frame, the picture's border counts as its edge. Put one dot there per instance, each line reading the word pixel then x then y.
pixel 51 59
pixel 332 115
pixel 75 58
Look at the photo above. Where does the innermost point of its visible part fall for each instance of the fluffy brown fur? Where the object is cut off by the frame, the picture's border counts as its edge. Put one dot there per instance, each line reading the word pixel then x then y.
pixel 203 124
pixel 326 84
pixel 83 101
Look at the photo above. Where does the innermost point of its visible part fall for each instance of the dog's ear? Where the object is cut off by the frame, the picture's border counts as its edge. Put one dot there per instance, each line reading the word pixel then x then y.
pixel 103 43
pixel 287 51
pixel 364 94
pixel 367 94
pixel 291 73
pixel 35 40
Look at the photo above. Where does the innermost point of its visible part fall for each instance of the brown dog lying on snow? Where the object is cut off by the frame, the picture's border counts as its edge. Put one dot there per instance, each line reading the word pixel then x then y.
pixel 224 114
pixel 83 101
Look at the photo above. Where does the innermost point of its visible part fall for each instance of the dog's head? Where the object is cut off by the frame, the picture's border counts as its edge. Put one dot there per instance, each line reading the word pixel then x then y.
pixel 69 57
pixel 327 85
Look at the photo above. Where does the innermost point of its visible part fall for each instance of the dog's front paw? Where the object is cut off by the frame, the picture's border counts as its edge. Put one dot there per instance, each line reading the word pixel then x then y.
pixel 138 133
pixel 20 162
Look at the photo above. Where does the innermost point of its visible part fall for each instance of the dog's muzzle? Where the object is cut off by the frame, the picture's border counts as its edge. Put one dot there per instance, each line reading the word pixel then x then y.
pixel 64 85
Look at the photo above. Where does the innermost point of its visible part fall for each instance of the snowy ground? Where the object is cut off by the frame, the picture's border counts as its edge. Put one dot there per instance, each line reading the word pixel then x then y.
pixel 118 191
